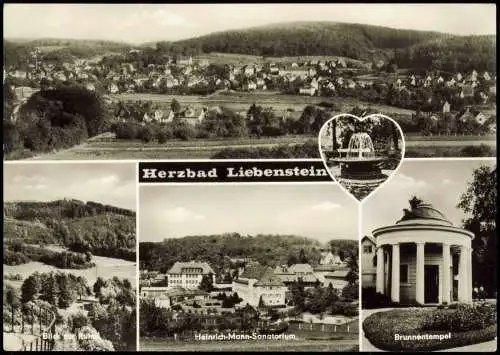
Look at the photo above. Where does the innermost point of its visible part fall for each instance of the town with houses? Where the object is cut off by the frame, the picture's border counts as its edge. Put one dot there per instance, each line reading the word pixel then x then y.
pixel 465 95
pixel 183 287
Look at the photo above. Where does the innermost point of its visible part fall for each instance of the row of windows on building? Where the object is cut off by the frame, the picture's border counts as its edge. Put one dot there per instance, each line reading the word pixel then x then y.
pixel 188 276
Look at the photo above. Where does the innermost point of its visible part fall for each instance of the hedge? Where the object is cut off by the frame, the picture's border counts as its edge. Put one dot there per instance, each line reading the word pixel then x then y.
pixel 380 329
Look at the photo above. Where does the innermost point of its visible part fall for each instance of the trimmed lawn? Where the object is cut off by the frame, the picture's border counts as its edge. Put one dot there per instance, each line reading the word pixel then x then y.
pixel 152 344
pixel 380 329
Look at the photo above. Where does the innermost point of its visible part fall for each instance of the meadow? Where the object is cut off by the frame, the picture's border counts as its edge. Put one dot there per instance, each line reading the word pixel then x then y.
pixel 110 148
pixel 250 345
pixel 105 268
pixel 241 101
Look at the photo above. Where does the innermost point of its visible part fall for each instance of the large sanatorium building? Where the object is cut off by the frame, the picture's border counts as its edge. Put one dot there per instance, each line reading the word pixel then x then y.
pixel 421 259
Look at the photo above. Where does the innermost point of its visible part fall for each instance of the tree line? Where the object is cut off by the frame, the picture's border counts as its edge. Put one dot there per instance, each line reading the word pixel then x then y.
pixel 17 253
pixel 269 250
pixel 221 123
pixel 84 228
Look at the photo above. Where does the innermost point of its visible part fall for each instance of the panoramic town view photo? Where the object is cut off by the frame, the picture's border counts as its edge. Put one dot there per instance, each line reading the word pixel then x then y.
pixel 203 81
pixel 429 259
pixel 69 260
pixel 248 268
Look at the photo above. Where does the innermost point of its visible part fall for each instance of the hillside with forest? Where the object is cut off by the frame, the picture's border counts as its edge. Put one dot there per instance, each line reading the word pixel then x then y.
pixel 403 47
pixel 310 38
pixel 269 250
pixel 18 51
pixel 82 228
pixel 357 41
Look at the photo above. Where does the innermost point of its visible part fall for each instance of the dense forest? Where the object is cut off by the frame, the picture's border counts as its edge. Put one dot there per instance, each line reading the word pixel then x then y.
pixel 310 38
pixel 52 119
pixel 81 227
pixel 452 54
pixel 16 52
pixel 269 250
pixel 357 41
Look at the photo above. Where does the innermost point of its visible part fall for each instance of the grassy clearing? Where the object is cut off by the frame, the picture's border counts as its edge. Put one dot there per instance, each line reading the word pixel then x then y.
pixel 241 101
pixel 105 268
pixel 207 149
pixel 201 143
pixel 250 345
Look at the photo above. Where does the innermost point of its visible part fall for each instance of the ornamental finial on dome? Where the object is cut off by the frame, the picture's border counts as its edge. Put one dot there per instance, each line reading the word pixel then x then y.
pixel 414 203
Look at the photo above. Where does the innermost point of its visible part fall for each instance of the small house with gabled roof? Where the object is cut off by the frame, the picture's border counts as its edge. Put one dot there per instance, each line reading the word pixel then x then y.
pixel 259 285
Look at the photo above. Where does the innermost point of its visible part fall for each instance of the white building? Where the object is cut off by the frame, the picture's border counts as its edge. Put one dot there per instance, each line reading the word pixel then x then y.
pixel 369 271
pixel 337 278
pixel 188 275
pixel 258 283
pixel 424 259
pixel 328 258
pixel 293 273
pixel 166 297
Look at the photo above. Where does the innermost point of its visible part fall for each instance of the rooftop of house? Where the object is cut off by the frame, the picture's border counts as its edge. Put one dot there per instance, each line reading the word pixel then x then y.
pixel 264 275
pixel 337 274
pixel 308 278
pixel 190 267
pixel 300 268
pixel 369 238
pixel 329 267
pixel 269 278
pixel 253 271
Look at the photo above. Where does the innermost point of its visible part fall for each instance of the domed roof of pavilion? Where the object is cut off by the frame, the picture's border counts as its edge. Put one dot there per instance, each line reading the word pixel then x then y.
pixel 421 212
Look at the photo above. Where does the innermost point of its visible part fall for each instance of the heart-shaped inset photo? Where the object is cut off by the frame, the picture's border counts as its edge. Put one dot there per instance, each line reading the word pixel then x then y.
pixel 361 154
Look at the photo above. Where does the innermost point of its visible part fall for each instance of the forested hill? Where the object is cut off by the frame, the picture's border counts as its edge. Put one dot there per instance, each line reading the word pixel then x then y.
pixel 364 42
pixel 266 249
pixel 312 38
pixel 101 229
pixel 17 51
pixel 60 209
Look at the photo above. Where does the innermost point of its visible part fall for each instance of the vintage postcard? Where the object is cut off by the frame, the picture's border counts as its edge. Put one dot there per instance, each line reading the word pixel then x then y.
pixel 249 177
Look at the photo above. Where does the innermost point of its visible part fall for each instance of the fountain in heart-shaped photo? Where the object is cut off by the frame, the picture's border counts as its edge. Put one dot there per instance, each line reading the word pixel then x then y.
pixel 361 154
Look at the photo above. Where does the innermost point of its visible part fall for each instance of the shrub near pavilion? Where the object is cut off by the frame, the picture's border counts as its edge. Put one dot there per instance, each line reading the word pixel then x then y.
pixel 467 324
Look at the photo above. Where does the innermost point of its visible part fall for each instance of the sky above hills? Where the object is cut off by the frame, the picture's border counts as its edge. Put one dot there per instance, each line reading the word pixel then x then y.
pixel 438 182
pixel 322 212
pixel 112 184
pixel 139 23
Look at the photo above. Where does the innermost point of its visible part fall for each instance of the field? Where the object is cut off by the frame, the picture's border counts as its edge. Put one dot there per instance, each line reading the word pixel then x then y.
pixel 250 345
pixel 110 148
pixel 243 59
pixel 241 101
pixel 105 268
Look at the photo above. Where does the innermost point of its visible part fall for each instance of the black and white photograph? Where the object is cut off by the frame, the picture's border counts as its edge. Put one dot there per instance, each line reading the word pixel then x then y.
pixel 238 81
pixel 361 154
pixel 429 259
pixel 248 268
pixel 69 257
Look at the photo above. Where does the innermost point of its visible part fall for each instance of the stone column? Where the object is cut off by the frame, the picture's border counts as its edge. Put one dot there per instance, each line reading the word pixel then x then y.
pixel 420 286
pixel 469 274
pixel 395 273
pixel 380 270
pixel 463 271
pixel 446 274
